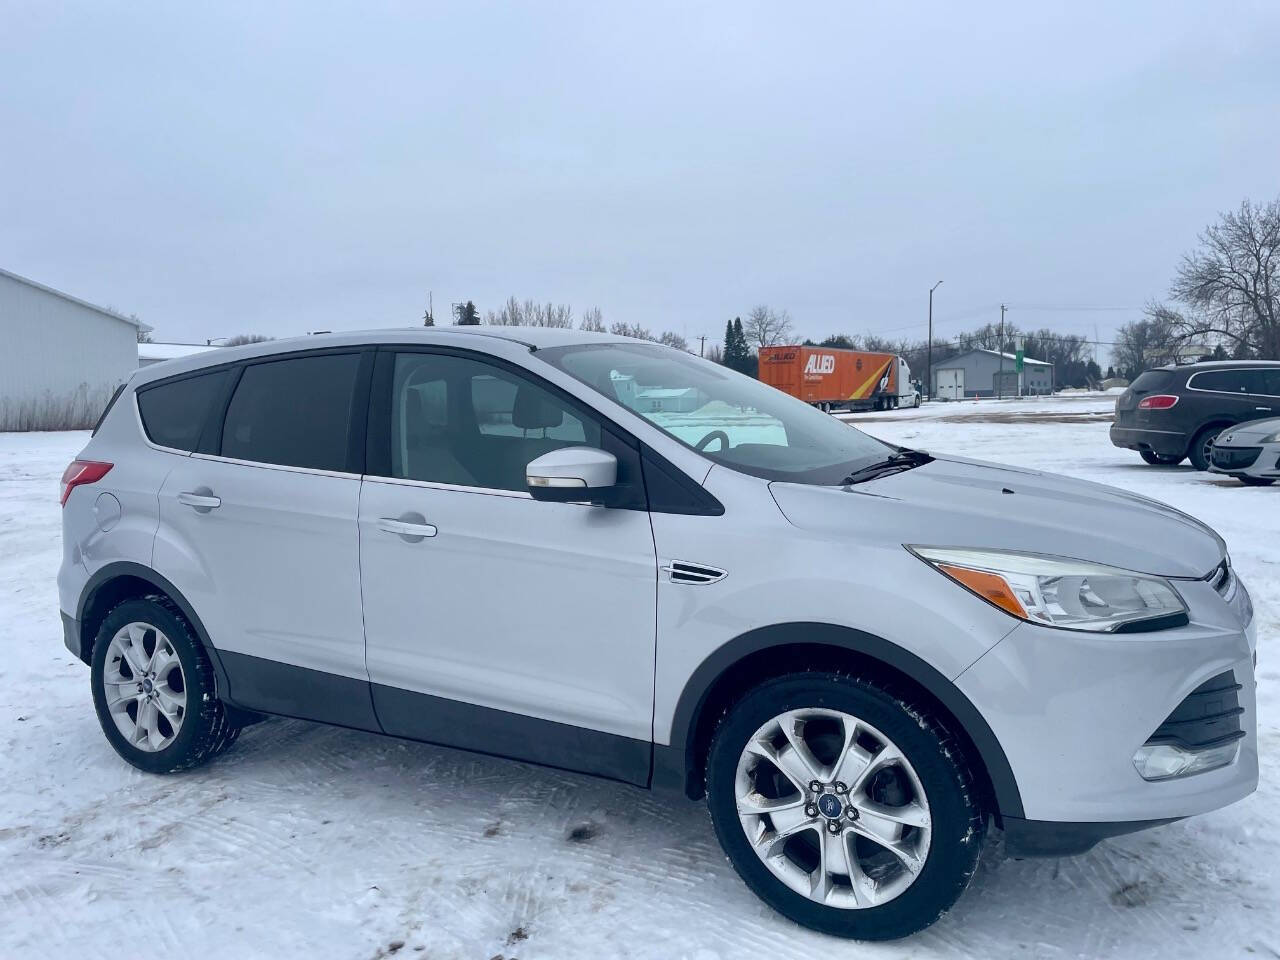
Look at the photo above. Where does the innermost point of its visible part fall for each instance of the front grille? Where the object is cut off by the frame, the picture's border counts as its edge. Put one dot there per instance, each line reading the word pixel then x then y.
pixel 1208 717
pixel 1221 577
pixel 1234 458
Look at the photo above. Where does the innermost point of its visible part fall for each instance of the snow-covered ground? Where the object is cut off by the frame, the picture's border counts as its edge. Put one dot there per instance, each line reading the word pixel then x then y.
pixel 312 841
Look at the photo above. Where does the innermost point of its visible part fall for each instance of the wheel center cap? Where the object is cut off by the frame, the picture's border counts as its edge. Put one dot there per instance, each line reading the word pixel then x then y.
pixel 147 685
pixel 829 806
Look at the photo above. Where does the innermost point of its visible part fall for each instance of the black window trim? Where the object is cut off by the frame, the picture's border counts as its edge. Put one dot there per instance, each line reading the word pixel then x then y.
pixel 107 409
pixel 208 447
pixel 1231 393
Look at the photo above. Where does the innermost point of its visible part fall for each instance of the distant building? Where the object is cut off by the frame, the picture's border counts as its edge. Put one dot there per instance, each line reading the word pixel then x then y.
pixel 989 373
pixel 60 357
pixel 149 353
pixel 666 400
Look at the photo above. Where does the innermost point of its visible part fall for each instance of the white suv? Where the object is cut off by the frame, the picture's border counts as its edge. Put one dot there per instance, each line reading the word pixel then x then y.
pixel 611 557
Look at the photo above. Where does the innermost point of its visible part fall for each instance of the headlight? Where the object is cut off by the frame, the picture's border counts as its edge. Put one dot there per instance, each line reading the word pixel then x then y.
pixel 1059 592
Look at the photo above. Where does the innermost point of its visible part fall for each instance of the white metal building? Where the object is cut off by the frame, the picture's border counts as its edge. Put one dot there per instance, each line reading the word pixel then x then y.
pixel 987 373
pixel 60 357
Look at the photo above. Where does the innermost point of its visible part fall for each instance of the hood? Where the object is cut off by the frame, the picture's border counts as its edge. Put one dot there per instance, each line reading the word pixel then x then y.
pixel 1246 434
pixel 955 502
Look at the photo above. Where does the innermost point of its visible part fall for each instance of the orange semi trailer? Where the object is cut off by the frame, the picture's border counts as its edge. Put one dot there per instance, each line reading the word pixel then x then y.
pixel 829 378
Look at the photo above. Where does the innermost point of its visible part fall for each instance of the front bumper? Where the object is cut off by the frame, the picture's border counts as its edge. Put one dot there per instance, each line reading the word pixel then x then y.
pixel 1166 443
pixel 1070 710
pixel 1252 460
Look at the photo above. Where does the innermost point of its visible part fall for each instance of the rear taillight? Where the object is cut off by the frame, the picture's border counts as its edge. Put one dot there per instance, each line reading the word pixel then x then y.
pixel 80 472
pixel 1158 401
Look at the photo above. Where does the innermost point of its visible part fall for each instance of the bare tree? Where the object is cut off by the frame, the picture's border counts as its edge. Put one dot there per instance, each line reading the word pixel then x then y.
pixel 531 314
pixel 673 339
pixel 511 315
pixel 242 338
pixel 1149 342
pixel 766 327
pixel 1231 284
pixel 715 353
pixel 592 320
pixel 631 330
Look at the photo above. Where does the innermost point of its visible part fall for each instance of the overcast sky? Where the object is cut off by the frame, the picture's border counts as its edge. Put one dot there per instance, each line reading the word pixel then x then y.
pixel 256 168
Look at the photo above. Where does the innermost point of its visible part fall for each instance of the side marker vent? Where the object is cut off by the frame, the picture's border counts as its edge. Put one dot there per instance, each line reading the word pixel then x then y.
pixel 680 571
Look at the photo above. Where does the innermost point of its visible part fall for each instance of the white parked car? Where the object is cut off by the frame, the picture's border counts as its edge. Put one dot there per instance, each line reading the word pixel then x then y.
pixel 1250 452
pixel 611 557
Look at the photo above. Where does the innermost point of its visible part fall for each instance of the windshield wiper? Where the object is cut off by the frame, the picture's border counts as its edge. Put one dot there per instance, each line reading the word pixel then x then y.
pixel 904 459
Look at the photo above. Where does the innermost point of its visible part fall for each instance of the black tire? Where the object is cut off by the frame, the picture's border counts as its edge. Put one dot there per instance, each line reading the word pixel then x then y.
pixel 1200 443
pixel 206 729
pixel 1254 481
pixel 958 820
pixel 1156 459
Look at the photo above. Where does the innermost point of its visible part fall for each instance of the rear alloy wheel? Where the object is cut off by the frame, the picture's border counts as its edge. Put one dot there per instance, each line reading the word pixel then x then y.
pixel 154 689
pixel 146 691
pixel 1156 459
pixel 1202 444
pixel 845 807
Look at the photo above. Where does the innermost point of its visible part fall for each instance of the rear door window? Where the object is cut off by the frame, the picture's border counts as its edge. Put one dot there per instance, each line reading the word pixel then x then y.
pixel 174 414
pixel 294 412
pixel 1223 381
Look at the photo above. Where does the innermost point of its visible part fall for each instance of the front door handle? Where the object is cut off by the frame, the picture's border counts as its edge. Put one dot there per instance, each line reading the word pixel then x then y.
pixel 411 531
pixel 1267 409
pixel 200 501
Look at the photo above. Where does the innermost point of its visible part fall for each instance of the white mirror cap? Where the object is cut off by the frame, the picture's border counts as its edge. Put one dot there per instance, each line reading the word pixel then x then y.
pixel 583 467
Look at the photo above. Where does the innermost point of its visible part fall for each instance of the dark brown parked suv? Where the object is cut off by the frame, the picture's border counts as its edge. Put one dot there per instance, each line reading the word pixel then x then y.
pixel 1174 412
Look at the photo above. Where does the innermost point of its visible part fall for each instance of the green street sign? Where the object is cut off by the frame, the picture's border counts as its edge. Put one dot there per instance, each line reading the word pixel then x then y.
pixel 1017 364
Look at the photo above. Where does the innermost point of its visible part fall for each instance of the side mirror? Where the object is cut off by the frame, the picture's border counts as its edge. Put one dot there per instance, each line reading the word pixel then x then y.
pixel 572 475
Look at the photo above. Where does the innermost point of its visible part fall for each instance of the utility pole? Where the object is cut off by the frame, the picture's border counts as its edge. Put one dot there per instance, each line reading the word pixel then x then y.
pixel 702 346
pixel 1000 350
pixel 929 346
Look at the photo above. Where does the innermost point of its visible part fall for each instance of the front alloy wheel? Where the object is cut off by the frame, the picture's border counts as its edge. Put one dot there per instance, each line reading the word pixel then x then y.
pixel 832 807
pixel 846 803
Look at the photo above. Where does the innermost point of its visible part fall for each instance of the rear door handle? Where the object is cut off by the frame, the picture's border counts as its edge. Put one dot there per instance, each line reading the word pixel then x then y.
pixel 1267 409
pixel 413 532
pixel 200 501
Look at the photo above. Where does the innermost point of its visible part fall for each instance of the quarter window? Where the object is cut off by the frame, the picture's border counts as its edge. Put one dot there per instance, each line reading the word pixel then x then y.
pixel 1271 382
pixel 294 412
pixel 463 422
pixel 174 413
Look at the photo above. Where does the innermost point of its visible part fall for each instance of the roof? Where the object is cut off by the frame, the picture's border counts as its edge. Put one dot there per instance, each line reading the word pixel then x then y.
pixel 76 300
pixel 1223 364
pixel 519 338
pixel 170 351
pixel 1028 361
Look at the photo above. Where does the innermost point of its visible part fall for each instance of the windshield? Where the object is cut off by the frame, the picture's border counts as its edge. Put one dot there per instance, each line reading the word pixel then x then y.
pixel 730 418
